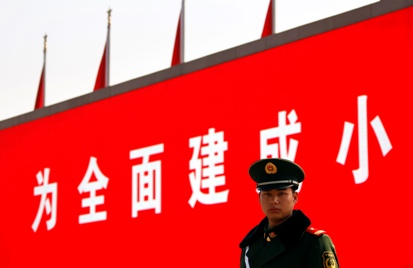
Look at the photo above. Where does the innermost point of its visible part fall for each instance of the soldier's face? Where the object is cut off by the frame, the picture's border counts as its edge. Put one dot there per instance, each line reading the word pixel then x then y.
pixel 278 205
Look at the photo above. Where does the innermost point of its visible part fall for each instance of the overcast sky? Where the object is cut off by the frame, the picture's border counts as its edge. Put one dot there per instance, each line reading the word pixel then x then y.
pixel 142 39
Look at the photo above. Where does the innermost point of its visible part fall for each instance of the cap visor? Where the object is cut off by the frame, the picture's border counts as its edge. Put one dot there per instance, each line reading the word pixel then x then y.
pixel 279 186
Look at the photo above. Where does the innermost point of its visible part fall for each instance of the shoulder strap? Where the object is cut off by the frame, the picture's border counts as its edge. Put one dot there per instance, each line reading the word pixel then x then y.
pixel 315 231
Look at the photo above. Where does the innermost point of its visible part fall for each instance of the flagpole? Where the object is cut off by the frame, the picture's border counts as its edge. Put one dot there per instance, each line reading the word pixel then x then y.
pixel 108 48
pixel 44 69
pixel 182 37
pixel 273 16
pixel 102 78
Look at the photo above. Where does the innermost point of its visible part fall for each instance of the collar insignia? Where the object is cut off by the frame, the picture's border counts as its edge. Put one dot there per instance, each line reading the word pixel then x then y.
pixel 269 236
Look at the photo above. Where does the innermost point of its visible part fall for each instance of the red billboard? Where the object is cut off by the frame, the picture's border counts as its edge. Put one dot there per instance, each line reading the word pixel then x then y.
pixel 158 176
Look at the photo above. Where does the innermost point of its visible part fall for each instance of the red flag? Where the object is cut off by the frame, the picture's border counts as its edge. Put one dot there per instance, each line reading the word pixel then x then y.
pixel 178 53
pixel 41 91
pixel 176 56
pixel 102 78
pixel 267 30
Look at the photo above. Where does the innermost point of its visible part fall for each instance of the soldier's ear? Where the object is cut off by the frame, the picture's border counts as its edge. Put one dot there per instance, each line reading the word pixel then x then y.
pixel 295 197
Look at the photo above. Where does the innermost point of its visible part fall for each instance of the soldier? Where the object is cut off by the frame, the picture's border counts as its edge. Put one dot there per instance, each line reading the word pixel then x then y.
pixel 284 237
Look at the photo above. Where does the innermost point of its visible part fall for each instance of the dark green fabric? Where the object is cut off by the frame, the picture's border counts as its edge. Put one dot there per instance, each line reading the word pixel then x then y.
pixel 292 247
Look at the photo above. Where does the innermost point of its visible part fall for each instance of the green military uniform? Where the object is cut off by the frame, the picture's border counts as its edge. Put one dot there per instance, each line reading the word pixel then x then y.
pixel 292 244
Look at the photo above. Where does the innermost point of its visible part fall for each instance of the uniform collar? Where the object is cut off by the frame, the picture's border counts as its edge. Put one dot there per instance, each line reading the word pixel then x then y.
pixel 289 232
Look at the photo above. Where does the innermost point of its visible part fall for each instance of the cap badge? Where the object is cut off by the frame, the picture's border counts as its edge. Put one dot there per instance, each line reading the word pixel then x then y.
pixel 270 168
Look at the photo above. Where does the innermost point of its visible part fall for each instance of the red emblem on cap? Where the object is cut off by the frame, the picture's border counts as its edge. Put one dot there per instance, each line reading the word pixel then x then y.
pixel 270 168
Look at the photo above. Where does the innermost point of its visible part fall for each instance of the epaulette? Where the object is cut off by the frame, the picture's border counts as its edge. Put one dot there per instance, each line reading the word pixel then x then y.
pixel 315 231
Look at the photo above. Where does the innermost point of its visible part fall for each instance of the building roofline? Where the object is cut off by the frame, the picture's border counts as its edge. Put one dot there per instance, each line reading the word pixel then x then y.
pixel 268 42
